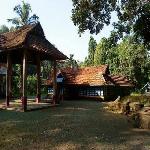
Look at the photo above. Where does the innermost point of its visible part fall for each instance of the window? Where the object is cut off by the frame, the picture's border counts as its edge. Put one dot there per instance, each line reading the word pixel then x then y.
pixel 90 91
pixel 50 90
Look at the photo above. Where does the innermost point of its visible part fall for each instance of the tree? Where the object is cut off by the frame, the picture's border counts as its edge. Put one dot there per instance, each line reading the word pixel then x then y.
pixel 91 50
pixel 92 14
pixel 133 16
pixel 133 58
pixel 101 52
pixel 127 58
pixel 3 29
pixel 142 24
pixel 105 51
pixel 23 11
pixel 70 62
pixel 86 62
pixel 46 66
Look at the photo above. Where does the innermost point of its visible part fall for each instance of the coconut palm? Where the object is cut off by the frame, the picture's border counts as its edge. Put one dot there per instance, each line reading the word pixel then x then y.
pixel 24 18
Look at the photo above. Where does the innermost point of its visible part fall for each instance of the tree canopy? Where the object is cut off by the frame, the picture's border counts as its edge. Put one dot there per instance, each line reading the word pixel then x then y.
pixel 91 50
pixel 128 57
pixel 3 29
pixel 92 14
pixel 133 16
pixel 23 12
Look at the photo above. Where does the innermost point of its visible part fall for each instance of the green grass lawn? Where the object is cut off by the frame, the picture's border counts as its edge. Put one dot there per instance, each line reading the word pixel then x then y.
pixel 78 125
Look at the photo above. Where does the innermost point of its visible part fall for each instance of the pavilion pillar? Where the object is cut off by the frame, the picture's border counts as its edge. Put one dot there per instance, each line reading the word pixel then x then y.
pixel 54 83
pixel 38 63
pixel 24 82
pixel 8 80
pixel 21 79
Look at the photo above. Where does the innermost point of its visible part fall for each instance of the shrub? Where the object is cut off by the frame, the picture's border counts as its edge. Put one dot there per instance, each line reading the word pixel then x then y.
pixel 143 99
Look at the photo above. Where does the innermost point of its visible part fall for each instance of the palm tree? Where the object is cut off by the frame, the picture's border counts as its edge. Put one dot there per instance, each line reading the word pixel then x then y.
pixel 24 18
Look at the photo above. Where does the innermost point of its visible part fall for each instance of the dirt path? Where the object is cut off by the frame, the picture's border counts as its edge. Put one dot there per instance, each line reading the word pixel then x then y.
pixel 78 125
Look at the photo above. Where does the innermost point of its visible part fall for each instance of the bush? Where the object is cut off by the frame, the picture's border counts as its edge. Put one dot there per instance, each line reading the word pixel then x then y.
pixel 143 99
pixel 31 85
pixel 16 86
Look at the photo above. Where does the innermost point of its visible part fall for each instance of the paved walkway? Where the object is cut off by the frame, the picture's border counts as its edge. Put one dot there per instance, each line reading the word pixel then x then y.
pixel 76 125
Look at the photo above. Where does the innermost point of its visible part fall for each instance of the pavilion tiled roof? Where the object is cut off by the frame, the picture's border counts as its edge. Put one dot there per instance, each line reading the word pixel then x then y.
pixel 30 37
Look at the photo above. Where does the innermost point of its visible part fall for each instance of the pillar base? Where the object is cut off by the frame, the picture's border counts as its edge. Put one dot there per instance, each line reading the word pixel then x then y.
pixel 24 103
pixel 62 98
pixel 7 101
pixel 38 98
pixel 54 100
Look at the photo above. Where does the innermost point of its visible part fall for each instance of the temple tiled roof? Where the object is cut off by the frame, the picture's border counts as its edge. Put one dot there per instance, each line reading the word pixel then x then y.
pixel 93 76
pixel 120 80
pixel 85 76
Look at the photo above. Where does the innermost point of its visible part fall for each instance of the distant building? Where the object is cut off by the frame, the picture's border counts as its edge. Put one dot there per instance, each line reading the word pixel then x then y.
pixel 93 82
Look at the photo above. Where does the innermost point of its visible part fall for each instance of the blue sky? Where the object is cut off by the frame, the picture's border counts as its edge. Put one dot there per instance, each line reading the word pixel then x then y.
pixel 55 18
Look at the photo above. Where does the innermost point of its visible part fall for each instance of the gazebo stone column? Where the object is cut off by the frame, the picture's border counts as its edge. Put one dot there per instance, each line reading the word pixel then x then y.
pixel 38 63
pixel 24 82
pixel 8 80
pixel 54 83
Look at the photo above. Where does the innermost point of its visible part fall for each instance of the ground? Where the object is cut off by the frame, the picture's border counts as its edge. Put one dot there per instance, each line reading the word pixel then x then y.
pixel 75 125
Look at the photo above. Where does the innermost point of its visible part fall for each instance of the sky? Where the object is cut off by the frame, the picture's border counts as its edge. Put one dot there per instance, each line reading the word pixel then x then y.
pixel 55 18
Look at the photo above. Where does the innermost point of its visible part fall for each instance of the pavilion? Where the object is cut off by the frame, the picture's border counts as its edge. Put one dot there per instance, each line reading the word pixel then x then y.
pixel 23 46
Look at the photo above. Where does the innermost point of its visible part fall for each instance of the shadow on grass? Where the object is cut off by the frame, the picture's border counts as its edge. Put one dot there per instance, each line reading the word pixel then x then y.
pixel 74 125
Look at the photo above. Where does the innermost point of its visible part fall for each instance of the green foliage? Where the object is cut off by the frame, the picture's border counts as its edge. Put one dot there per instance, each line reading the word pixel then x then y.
pixel 16 86
pixel 31 81
pixel 31 85
pixel 92 14
pixel 142 25
pixel 101 52
pixel 3 29
pixel 142 99
pixel 128 58
pixel 133 15
pixel 86 62
pixel 91 50
pixel 70 62
pixel 23 11
pixel 105 51
pixel 46 67
pixel 133 59
pixel 136 94
pixel 89 61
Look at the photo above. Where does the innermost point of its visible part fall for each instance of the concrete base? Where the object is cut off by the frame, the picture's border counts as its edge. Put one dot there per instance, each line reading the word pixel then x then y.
pixel 38 98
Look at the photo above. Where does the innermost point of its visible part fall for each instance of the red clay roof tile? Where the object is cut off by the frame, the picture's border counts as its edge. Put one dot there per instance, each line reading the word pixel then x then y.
pixel 93 76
